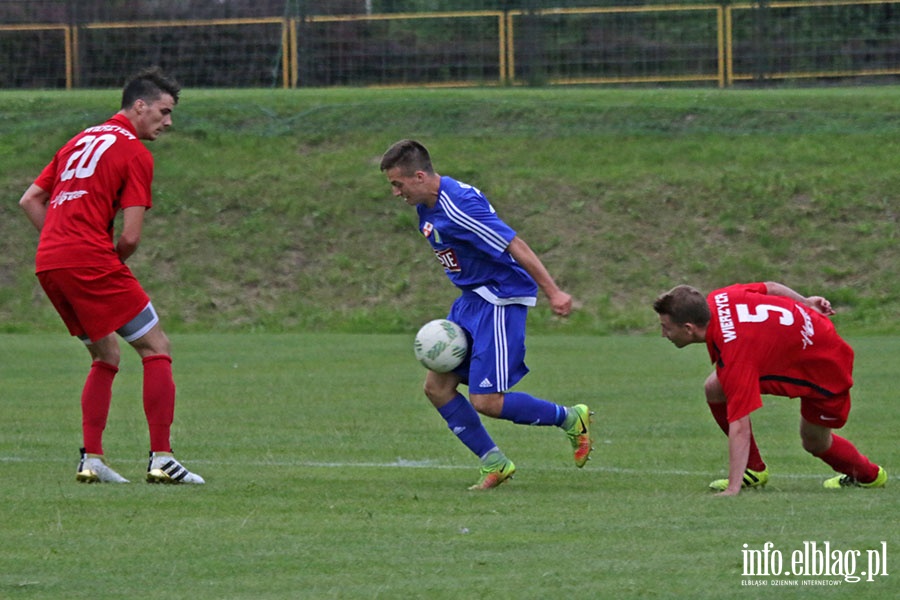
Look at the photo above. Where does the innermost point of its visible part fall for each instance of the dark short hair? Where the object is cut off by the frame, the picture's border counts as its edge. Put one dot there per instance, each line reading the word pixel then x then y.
pixel 409 155
pixel 684 304
pixel 148 85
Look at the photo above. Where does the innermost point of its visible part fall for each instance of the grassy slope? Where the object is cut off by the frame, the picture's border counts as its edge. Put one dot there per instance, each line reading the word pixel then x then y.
pixel 271 212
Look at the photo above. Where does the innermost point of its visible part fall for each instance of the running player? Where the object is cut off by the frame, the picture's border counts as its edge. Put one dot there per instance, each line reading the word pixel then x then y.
pixel 81 266
pixel 765 338
pixel 498 275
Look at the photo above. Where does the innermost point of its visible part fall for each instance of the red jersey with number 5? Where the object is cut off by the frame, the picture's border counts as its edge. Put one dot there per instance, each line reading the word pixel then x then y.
pixel 98 172
pixel 764 344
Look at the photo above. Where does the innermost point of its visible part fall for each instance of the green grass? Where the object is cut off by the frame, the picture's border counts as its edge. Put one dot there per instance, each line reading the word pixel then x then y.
pixel 329 476
pixel 271 214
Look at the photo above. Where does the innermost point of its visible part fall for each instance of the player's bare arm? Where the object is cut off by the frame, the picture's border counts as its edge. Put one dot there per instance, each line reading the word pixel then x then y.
pixel 132 225
pixel 738 454
pixel 817 303
pixel 34 203
pixel 560 301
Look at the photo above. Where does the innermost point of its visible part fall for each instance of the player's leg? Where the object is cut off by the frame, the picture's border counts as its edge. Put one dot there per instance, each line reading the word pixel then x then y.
pixel 816 421
pixel 499 363
pixel 96 395
pixel 466 425
pixel 159 384
pixel 72 299
pixel 470 312
pixel 146 336
pixel 461 417
pixel 756 475
pixel 96 398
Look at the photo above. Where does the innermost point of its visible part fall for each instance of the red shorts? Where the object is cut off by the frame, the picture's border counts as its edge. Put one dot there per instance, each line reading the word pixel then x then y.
pixel 94 301
pixel 819 407
pixel 828 412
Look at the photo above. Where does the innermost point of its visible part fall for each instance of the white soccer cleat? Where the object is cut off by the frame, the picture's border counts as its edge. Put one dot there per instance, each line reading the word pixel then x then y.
pixel 164 468
pixel 93 469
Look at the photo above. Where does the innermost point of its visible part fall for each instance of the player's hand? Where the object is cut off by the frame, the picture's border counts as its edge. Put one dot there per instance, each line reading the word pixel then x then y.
pixel 561 303
pixel 820 304
pixel 728 492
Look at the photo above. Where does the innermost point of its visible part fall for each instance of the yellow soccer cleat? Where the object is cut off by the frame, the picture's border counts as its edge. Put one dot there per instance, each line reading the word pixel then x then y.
pixel 752 479
pixel 842 481
pixel 580 434
pixel 495 474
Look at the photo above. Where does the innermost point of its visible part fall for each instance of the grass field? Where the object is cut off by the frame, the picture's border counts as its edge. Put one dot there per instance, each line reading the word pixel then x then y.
pixel 329 476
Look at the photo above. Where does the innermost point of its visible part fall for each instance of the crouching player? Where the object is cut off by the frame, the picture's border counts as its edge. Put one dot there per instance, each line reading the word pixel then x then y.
pixel 765 338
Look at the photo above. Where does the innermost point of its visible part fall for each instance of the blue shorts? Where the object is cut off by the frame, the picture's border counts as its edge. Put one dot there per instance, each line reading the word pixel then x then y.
pixel 496 335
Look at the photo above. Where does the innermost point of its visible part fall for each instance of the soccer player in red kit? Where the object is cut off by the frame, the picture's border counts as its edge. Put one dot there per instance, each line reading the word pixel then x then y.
pixel 765 338
pixel 81 266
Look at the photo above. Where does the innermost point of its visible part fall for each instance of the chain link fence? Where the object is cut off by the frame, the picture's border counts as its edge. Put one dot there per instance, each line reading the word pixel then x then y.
pixel 305 43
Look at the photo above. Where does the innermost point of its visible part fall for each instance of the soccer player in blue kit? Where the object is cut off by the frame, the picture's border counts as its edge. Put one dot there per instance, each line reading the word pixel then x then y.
pixel 499 276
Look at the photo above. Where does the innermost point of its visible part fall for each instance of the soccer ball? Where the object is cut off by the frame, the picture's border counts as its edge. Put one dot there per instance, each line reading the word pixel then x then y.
pixel 441 345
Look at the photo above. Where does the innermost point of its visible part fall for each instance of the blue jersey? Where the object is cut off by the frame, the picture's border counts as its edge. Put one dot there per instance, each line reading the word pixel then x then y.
pixel 470 241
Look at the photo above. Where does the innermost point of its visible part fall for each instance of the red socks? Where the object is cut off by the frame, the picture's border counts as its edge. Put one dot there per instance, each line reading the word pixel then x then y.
pixel 844 458
pixel 96 397
pixel 719 412
pixel 159 400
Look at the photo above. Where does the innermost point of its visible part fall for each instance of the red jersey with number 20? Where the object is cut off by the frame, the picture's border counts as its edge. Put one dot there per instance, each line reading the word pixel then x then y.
pixel 98 172
pixel 764 344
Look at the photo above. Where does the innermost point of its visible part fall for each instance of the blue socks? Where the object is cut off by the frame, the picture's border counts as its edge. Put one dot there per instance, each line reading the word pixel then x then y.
pixel 464 422
pixel 525 409
pixel 520 408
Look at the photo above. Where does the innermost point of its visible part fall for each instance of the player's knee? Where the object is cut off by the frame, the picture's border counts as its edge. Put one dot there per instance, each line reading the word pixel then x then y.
pixel 110 356
pixel 440 388
pixel 429 390
pixel 815 444
pixel 438 393
pixel 815 447
pixel 713 390
pixel 812 447
pixel 154 343
pixel 487 404
pixel 478 402
pixel 816 439
pixel 105 350
pixel 163 345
